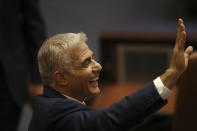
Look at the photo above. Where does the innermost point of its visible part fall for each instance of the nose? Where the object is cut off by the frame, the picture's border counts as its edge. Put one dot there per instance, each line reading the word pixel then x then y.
pixel 96 67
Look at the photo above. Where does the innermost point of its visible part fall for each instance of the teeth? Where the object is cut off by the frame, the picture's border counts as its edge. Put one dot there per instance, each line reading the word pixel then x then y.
pixel 95 79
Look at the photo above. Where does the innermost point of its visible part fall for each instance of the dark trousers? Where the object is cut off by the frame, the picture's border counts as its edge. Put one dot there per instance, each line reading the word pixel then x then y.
pixel 9 111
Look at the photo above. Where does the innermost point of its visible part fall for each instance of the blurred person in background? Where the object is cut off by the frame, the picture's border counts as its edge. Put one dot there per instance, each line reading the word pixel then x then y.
pixel 21 34
pixel 70 76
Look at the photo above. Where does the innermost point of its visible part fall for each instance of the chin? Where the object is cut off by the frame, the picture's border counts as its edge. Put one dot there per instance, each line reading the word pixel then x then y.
pixel 94 90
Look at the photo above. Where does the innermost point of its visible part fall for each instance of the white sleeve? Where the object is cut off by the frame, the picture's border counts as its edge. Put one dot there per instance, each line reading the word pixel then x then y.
pixel 161 88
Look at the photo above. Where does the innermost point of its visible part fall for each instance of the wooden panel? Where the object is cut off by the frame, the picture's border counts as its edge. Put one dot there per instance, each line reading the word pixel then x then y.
pixel 110 40
pixel 185 118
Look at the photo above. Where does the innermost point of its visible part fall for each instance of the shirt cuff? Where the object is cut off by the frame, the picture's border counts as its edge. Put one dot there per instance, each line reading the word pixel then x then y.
pixel 163 91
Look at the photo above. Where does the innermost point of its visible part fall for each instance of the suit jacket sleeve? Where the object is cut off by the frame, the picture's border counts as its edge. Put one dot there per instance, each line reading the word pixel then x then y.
pixel 34 34
pixel 122 115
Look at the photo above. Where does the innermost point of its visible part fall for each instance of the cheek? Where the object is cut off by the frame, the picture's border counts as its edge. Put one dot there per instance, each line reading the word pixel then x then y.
pixel 85 73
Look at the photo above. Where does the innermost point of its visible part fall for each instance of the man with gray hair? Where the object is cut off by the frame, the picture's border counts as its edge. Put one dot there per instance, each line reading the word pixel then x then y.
pixel 70 74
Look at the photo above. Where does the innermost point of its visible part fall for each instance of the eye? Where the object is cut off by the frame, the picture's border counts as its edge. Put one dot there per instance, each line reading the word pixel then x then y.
pixel 87 61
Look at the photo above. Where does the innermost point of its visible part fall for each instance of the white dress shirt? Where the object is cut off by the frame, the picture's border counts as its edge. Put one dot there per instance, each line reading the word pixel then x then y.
pixel 161 88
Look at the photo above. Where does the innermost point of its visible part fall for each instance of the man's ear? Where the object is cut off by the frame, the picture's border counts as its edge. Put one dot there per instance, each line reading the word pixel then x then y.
pixel 60 78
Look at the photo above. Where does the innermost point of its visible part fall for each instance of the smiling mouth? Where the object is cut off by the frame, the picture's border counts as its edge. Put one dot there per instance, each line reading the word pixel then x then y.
pixel 94 82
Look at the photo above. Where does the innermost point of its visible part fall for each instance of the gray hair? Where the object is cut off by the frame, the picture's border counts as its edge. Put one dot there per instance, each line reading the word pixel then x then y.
pixel 52 55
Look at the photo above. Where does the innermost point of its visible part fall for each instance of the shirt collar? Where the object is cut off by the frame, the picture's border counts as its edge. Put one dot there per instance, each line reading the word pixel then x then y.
pixel 71 98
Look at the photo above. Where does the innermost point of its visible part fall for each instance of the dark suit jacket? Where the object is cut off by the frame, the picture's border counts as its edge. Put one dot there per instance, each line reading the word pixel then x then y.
pixel 21 34
pixel 54 112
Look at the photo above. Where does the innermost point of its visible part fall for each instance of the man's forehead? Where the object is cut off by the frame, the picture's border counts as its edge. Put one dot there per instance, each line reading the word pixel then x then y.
pixel 81 48
pixel 80 52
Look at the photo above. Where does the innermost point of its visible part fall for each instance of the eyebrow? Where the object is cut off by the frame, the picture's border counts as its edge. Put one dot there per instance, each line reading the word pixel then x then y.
pixel 88 58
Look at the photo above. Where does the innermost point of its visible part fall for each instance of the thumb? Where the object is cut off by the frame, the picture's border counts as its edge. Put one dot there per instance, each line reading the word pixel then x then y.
pixel 187 54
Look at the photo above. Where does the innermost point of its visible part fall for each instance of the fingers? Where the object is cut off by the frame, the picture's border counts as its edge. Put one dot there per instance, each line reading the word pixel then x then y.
pixel 181 28
pixel 180 21
pixel 182 40
pixel 181 35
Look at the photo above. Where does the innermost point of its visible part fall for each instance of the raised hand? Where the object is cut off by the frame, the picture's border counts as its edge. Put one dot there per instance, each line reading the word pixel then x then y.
pixel 180 57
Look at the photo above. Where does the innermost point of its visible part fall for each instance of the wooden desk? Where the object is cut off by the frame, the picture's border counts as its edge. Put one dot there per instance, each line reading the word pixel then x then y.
pixel 114 92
